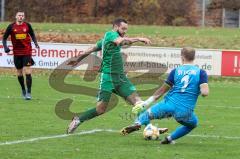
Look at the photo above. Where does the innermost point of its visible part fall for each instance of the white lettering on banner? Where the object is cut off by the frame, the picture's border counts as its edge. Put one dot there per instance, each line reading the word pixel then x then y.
pixel 235 61
pixel 140 59
pixel 236 68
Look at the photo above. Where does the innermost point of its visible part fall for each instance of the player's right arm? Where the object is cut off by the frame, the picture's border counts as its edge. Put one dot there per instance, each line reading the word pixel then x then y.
pixel 204 89
pixel 203 82
pixel 5 36
pixel 87 52
pixel 32 34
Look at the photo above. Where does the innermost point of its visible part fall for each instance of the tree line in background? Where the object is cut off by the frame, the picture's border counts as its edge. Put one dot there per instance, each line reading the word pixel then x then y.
pixel 163 12
pixel 228 4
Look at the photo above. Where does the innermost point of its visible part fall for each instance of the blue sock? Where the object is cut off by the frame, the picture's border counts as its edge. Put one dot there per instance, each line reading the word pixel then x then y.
pixel 180 132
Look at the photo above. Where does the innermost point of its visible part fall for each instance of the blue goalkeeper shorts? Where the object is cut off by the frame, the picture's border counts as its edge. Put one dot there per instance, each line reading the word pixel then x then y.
pixel 167 109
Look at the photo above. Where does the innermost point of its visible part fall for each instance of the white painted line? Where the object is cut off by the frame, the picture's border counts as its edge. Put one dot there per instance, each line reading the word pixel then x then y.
pixel 216 136
pixel 220 106
pixel 49 137
pixel 96 131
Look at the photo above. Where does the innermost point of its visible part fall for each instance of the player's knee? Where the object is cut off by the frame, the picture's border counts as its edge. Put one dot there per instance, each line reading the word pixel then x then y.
pixel 193 124
pixel 20 72
pixel 101 110
pixel 27 70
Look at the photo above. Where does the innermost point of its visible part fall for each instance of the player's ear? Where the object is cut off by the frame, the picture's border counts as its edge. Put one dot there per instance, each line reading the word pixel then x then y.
pixel 182 58
pixel 115 27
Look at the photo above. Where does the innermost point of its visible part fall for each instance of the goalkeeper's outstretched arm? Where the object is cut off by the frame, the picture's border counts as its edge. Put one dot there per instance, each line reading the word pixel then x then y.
pixel 139 107
pixel 159 93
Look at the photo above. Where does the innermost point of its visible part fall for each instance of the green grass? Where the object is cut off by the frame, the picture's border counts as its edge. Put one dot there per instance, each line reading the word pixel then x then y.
pixel 164 36
pixel 136 29
pixel 218 116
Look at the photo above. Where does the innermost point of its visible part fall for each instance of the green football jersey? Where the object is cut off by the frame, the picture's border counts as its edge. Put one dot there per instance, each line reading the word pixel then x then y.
pixel 112 61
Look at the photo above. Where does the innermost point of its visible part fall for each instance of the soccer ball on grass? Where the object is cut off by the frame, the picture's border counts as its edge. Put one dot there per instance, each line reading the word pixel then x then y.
pixel 151 132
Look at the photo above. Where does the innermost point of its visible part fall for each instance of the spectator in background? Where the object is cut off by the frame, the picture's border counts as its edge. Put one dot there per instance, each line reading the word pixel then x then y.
pixel 21 32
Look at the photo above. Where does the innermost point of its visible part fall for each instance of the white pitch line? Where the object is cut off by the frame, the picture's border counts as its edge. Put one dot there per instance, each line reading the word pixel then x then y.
pixel 49 137
pixel 220 106
pixel 96 131
pixel 215 136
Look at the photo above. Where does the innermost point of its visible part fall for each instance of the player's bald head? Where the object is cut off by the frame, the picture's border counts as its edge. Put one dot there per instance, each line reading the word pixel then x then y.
pixel 188 53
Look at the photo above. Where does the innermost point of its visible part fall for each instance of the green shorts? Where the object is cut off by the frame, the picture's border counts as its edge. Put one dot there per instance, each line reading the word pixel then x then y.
pixel 114 83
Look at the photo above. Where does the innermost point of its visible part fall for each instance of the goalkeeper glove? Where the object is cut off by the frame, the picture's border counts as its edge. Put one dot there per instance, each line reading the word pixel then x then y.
pixel 138 108
pixel 142 106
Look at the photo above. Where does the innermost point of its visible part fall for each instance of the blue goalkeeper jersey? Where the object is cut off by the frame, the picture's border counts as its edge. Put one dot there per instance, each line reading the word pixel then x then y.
pixel 185 81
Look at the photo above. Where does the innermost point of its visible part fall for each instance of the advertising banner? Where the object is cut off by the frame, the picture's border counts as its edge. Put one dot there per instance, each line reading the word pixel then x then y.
pixel 137 58
pixel 230 63
pixel 155 59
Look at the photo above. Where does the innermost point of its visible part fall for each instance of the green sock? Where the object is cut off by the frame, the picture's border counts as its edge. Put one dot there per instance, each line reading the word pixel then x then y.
pixel 89 114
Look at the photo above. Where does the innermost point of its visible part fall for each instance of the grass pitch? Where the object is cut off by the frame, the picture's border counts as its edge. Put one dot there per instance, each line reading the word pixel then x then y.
pixel 32 130
pixel 162 36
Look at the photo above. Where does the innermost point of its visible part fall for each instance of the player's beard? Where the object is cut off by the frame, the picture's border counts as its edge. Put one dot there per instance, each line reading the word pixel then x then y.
pixel 122 35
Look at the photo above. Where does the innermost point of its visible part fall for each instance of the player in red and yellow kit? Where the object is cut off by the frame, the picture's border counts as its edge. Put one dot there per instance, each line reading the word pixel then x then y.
pixel 21 34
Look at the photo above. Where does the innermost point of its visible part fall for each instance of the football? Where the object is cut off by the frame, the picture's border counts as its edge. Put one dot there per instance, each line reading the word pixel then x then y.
pixel 150 132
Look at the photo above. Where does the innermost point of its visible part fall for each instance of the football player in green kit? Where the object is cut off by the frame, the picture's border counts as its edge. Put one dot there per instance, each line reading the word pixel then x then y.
pixel 113 78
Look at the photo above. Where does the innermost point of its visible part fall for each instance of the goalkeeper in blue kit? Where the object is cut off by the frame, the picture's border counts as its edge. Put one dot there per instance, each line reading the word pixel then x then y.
pixel 184 84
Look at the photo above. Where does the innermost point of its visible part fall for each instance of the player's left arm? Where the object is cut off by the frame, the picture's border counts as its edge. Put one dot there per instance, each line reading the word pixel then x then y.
pixel 32 34
pixel 85 54
pixel 161 91
pixel 203 83
pixel 88 52
pixel 166 86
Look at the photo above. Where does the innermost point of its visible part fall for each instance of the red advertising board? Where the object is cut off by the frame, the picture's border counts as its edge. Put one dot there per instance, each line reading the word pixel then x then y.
pixel 230 63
